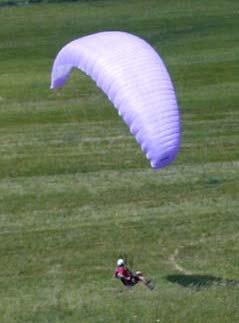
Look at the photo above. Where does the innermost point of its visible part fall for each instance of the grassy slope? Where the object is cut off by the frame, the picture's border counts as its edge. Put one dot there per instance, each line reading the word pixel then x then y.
pixel 76 191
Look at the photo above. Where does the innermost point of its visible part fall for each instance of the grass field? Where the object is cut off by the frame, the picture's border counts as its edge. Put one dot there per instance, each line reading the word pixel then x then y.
pixel 76 191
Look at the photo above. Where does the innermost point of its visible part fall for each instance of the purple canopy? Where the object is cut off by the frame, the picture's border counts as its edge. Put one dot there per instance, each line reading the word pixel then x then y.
pixel 135 79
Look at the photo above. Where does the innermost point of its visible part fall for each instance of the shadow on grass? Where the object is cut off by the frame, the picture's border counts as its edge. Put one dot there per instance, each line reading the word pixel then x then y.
pixel 200 281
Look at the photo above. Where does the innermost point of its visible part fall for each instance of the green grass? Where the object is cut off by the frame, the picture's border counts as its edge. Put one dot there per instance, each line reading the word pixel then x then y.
pixel 76 191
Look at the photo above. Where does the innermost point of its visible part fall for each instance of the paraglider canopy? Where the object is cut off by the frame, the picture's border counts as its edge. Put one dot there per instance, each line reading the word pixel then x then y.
pixel 135 79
